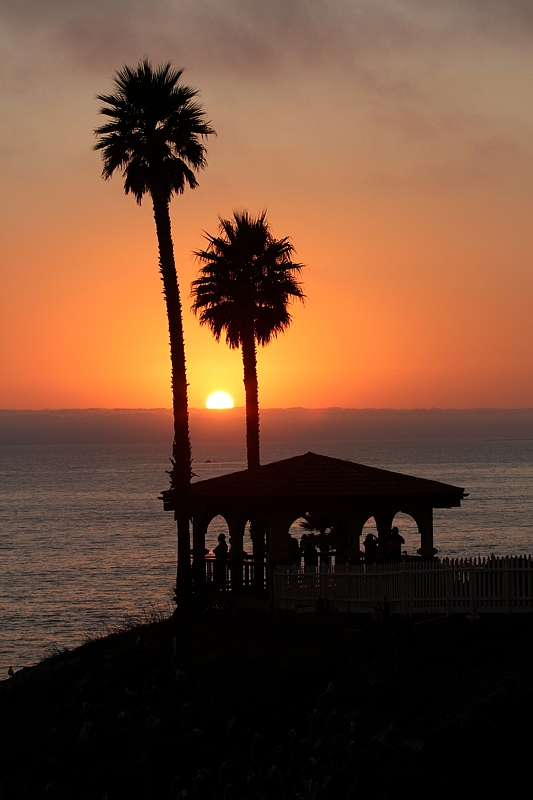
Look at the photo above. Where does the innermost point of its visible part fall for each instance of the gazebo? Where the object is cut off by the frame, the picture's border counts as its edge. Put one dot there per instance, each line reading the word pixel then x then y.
pixel 273 496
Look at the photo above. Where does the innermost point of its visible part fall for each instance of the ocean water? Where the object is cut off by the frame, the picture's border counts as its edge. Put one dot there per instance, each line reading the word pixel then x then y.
pixel 84 541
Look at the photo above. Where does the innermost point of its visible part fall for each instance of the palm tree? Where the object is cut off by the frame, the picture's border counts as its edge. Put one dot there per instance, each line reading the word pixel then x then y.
pixel 153 137
pixel 243 290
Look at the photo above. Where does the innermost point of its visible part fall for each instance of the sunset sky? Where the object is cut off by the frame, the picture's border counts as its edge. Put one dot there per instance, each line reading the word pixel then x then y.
pixel 392 141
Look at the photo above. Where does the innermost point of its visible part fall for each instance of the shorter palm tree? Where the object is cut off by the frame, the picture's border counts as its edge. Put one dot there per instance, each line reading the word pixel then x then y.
pixel 243 290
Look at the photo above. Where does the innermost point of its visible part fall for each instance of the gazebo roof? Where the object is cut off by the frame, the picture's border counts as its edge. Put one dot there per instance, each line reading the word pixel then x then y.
pixel 319 478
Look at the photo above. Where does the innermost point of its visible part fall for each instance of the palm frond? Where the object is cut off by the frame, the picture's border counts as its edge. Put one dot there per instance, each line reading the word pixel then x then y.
pixel 154 131
pixel 247 278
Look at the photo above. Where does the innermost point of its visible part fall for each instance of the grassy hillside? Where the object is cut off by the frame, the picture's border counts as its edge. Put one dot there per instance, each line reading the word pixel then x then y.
pixel 274 706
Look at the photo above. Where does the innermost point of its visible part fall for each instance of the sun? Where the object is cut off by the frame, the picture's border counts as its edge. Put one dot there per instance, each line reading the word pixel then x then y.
pixel 219 400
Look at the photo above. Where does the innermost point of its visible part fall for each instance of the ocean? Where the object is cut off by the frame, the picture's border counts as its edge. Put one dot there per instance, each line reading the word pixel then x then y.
pixel 84 541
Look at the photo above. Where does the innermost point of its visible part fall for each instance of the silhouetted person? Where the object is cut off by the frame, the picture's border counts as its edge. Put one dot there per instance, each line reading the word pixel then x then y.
pixel 394 545
pixel 340 545
pixel 293 550
pixel 308 550
pixel 371 548
pixel 324 546
pixel 221 558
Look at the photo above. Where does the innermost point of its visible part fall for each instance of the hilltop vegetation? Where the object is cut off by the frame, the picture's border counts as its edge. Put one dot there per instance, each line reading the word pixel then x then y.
pixel 274 707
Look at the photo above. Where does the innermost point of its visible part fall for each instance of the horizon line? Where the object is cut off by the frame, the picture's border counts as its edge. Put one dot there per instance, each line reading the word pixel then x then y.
pixel 270 408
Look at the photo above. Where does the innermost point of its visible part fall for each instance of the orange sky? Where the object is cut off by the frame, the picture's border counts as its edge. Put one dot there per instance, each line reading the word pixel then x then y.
pixel 392 141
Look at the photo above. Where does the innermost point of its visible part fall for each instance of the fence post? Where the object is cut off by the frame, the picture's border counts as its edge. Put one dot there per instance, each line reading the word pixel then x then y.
pixel 473 590
pixel 528 583
pixel 371 579
pixel 506 585
pixel 447 588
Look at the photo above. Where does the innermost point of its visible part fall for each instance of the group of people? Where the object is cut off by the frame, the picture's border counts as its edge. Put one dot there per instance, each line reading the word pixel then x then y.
pixel 311 546
pixel 388 550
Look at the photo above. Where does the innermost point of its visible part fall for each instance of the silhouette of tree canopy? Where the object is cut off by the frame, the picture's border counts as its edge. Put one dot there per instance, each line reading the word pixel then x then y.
pixel 153 137
pixel 317 521
pixel 243 291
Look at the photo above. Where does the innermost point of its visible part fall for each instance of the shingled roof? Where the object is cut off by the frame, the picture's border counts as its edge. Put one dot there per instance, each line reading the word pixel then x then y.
pixel 316 476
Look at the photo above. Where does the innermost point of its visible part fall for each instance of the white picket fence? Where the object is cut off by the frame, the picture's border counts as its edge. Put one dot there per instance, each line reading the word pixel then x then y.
pixel 448 586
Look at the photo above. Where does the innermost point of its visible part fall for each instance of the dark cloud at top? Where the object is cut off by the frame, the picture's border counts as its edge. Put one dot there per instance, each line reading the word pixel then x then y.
pixel 258 37
pixel 401 60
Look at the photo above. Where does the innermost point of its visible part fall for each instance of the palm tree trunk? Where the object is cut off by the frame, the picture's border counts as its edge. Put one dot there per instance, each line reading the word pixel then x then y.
pixel 249 361
pixel 180 475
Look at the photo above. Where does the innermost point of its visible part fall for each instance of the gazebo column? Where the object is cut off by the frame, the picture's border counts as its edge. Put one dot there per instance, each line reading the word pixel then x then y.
pixel 258 527
pixel 200 524
pixel 354 525
pixel 257 535
pixel 424 519
pixel 236 527
pixel 348 545
pixel 278 527
pixel 384 519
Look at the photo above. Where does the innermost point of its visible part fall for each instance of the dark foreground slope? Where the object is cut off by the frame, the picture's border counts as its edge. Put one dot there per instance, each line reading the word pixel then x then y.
pixel 275 707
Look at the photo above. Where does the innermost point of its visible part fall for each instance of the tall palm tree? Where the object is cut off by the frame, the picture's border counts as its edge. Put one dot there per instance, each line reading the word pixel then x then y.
pixel 243 290
pixel 153 137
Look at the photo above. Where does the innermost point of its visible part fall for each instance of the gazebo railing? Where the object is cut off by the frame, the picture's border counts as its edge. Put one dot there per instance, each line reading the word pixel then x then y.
pixel 235 575
pixel 447 586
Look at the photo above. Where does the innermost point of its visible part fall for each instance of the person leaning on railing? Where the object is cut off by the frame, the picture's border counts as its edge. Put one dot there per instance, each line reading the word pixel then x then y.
pixel 221 559
pixel 309 551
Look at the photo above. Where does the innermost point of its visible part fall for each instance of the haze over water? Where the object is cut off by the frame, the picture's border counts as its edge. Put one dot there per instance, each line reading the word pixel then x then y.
pixel 84 539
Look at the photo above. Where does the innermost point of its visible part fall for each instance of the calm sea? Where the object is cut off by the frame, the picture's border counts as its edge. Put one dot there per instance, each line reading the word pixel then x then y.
pixel 84 540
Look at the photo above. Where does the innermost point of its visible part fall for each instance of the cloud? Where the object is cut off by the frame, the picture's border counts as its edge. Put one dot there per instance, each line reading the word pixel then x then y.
pixel 425 72
pixel 260 37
